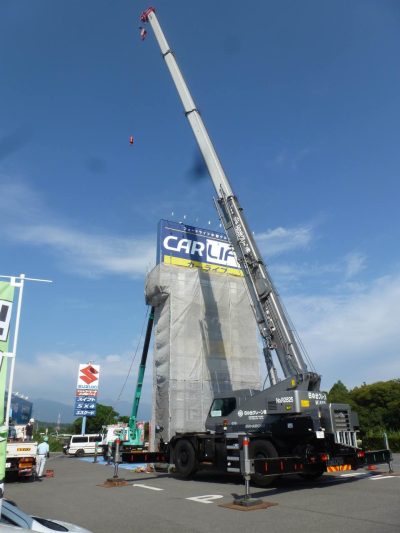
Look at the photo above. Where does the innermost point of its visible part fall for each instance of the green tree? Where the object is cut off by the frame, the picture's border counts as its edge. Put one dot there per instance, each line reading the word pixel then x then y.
pixel 105 415
pixel 378 405
pixel 339 393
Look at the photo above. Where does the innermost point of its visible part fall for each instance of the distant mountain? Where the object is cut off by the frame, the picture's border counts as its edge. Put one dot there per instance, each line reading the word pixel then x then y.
pixel 124 408
pixel 48 410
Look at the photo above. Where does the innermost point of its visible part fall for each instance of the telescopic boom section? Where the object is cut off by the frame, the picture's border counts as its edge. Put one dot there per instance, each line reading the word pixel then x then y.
pixel 270 315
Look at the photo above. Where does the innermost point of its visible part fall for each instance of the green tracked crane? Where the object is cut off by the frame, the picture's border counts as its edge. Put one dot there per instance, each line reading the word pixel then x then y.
pixel 130 436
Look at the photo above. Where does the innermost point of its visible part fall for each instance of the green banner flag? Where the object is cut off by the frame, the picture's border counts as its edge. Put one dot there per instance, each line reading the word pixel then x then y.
pixel 6 300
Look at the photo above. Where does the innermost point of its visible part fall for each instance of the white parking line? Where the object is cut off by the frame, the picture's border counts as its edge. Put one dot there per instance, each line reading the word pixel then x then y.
pixel 145 486
pixel 354 474
pixel 383 477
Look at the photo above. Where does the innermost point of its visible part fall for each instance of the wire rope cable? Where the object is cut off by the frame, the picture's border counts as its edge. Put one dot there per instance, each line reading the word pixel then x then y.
pixel 134 356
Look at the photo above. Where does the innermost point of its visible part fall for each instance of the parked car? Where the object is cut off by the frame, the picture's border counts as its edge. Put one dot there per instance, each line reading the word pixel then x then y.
pixel 14 519
pixel 80 445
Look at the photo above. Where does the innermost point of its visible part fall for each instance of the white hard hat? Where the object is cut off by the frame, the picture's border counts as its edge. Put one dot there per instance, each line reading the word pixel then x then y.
pixel 32 420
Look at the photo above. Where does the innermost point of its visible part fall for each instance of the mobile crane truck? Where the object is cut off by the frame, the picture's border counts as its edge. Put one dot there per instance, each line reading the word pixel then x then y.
pixel 292 428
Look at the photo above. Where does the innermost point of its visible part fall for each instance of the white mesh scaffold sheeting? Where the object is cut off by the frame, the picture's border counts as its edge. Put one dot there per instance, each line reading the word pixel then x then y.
pixel 205 343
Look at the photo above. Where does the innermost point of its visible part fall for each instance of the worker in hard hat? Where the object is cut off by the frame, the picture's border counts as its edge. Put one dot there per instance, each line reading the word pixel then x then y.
pixel 43 452
pixel 29 430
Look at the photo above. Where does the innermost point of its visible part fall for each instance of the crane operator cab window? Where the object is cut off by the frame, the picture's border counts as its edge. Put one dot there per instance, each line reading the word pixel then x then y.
pixel 222 407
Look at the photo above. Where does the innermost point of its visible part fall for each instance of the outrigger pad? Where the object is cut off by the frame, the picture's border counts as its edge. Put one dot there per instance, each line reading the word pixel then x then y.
pixel 240 505
pixel 114 482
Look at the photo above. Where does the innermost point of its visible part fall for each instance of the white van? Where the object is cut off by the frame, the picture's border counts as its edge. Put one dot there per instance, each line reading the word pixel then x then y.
pixel 80 445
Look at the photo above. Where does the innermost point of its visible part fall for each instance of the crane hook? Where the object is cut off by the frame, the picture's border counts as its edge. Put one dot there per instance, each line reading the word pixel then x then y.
pixel 143 33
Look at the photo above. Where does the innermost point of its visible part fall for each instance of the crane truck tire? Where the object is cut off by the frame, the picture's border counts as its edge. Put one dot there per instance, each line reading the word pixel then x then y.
pixel 262 449
pixel 185 458
pixel 312 472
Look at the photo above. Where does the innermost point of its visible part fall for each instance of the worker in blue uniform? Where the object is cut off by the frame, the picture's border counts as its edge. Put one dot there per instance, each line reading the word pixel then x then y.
pixel 41 457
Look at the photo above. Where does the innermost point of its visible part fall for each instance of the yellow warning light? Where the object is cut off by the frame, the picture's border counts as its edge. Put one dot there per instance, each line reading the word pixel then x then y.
pixel 288 407
pixel 305 403
pixel 293 382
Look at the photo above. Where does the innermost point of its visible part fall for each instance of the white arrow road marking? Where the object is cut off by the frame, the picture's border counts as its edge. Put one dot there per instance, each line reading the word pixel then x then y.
pixel 207 498
pixel 145 486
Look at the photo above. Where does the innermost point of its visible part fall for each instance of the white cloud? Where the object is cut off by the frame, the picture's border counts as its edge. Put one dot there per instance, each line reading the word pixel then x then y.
pixel 113 358
pixel 345 269
pixel 292 159
pixel 54 375
pixel 279 240
pixel 90 253
pixel 294 271
pixel 355 263
pixel 353 336
pixel 27 220
pixel 19 201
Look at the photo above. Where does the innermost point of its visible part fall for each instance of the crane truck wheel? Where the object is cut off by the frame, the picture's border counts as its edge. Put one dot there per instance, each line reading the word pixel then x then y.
pixel 185 458
pixel 260 449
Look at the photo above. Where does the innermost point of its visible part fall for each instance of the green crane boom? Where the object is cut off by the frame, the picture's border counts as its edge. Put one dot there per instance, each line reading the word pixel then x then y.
pixel 139 385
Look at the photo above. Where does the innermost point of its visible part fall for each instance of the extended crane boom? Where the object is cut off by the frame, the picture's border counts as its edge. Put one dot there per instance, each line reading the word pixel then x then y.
pixel 272 320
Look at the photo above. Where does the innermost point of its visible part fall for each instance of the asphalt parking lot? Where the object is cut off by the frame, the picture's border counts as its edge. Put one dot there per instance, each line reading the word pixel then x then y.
pixel 363 501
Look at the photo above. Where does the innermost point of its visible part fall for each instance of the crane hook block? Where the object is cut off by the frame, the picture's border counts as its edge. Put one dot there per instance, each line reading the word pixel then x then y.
pixel 143 33
pixel 131 139
pixel 144 17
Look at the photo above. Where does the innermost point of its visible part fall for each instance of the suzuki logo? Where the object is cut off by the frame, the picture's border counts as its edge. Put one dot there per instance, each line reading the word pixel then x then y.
pixel 88 374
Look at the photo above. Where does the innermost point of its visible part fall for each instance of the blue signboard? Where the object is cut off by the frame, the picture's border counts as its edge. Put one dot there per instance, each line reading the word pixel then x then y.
pixel 188 246
pixel 85 406
pixel 20 410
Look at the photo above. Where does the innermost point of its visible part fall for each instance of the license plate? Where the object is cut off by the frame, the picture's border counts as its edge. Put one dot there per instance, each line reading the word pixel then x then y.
pixel 335 462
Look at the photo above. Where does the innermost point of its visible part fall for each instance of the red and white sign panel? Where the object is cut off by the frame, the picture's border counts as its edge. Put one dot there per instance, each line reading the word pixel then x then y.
pixel 88 377
pixel 86 392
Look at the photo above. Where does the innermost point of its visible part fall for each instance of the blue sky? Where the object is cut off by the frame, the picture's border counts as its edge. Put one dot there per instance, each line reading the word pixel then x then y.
pixel 301 100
